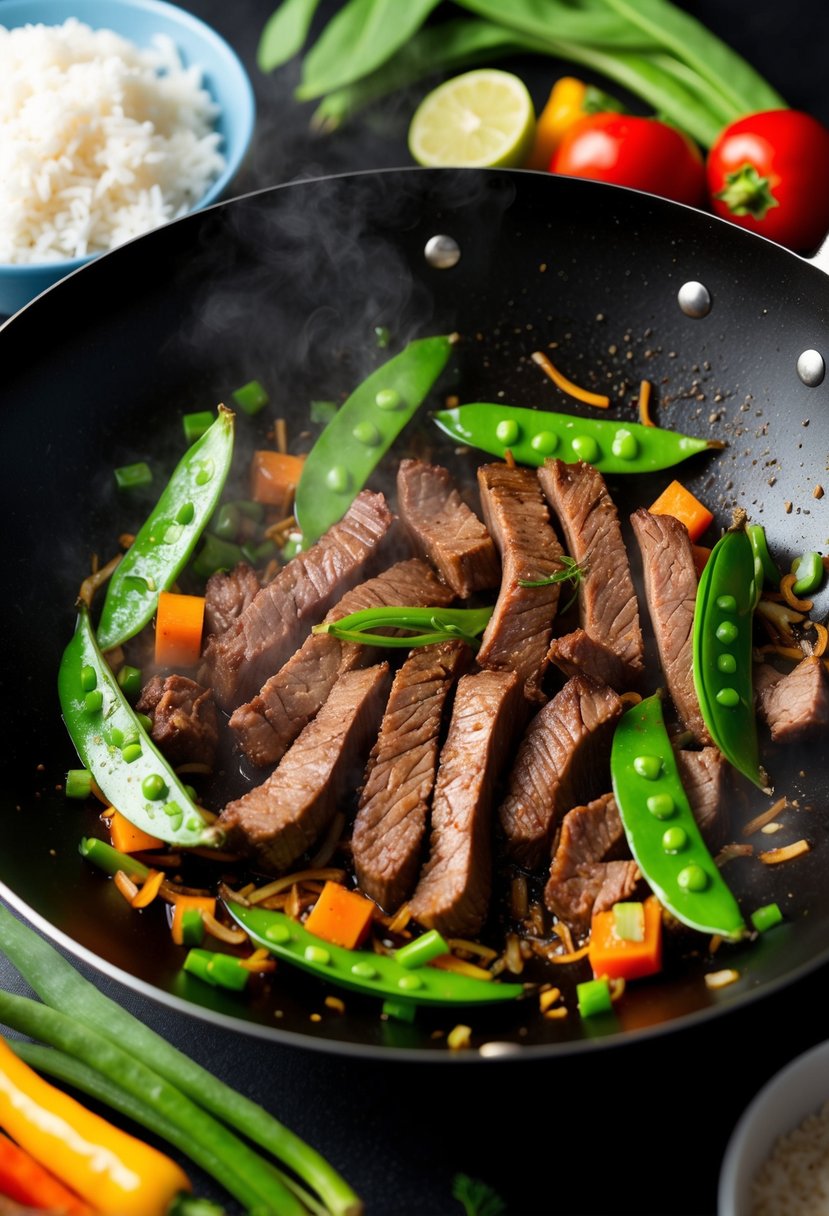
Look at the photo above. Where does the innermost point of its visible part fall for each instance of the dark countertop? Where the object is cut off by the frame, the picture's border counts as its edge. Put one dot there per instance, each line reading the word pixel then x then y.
pixel 640 1129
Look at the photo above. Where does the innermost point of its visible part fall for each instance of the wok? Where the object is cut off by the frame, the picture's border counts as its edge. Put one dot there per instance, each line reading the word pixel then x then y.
pixel 287 285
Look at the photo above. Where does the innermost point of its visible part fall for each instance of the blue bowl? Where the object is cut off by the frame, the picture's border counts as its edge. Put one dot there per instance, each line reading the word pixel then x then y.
pixel 224 77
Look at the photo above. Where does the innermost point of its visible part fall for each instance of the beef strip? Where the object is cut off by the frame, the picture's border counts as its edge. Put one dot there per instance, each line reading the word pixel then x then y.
pixel 281 615
pixel 227 595
pixel 268 724
pixel 563 760
pixel 444 529
pixel 519 632
pixel 706 778
pixel 277 821
pixel 591 868
pixel 608 645
pixel 453 892
pixel 795 706
pixel 394 804
pixel 671 589
pixel 185 724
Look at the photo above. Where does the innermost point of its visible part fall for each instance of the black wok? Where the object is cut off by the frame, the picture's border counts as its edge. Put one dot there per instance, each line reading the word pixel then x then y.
pixel 287 286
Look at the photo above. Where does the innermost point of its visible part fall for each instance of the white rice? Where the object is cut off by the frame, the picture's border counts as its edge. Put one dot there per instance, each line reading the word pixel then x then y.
pixel 100 140
pixel 794 1180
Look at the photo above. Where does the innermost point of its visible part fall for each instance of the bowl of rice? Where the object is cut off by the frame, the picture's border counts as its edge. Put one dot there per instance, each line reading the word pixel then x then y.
pixel 777 1160
pixel 117 116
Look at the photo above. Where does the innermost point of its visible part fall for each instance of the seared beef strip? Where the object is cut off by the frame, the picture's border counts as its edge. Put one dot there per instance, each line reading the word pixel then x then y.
pixel 280 617
pixel 277 821
pixel 706 778
pixel 563 760
pixel 795 706
pixel 227 595
pixel 444 529
pixel 519 632
pixel 185 724
pixel 610 648
pixel 671 590
pixel 452 895
pixel 591 868
pixel 267 725
pixel 394 804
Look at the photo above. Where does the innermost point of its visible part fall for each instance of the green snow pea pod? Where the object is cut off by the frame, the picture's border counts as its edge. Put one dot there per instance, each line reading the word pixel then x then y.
pixel 722 652
pixel 362 431
pixel 532 435
pixel 113 744
pixel 660 826
pixel 389 977
pixel 169 534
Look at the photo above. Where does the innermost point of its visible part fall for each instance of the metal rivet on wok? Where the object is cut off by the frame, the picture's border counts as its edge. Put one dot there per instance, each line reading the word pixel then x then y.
pixel 442 252
pixel 811 368
pixel 694 299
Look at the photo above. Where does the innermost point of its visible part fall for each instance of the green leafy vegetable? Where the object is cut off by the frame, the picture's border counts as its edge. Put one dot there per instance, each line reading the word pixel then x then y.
pixel 285 33
pixel 476 1197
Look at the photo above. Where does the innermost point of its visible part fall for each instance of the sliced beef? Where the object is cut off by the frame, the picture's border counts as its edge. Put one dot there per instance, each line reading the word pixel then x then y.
pixel 563 761
pixel 452 895
pixel 279 618
pixel 268 724
pixel 185 724
pixel 671 589
pixel 609 646
pixel 591 868
pixel 518 634
pixel 795 706
pixel 227 595
pixel 390 827
pixel 277 821
pixel 706 778
pixel 444 529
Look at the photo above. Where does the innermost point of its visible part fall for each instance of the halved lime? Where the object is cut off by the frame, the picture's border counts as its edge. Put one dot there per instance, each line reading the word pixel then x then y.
pixel 482 119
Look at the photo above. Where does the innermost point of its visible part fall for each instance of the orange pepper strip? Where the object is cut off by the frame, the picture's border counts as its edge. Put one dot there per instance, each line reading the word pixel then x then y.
pixel 567 386
pixel 645 403
pixel 341 916
pixel 179 621
pixel 677 501
pixel 618 958
pixel 149 889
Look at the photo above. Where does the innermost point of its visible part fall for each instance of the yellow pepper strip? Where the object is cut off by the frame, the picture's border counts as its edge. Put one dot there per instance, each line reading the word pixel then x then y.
pixel 118 1174
pixel 563 107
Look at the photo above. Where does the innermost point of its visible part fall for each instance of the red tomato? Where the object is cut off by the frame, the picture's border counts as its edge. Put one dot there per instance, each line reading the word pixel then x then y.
pixel 769 172
pixel 630 151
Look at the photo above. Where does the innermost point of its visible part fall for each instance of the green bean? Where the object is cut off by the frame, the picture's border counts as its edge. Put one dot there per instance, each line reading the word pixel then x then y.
pixel 167 538
pixel 380 975
pixel 115 746
pixel 722 652
pixel 439 624
pixel 58 983
pixel 362 431
pixel 661 830
pixel 285 33
pixel 532 435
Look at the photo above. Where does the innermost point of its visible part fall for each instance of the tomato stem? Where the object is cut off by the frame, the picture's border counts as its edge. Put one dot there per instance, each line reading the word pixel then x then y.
pixel 747 193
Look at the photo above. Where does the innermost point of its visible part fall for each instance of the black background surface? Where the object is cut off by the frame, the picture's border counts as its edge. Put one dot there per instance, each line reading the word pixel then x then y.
pixel 640 1129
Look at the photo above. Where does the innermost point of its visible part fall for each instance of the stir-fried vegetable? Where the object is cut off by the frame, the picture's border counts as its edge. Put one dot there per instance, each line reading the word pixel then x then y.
pixel 423 626
pixel 677 500
pixel 27 1182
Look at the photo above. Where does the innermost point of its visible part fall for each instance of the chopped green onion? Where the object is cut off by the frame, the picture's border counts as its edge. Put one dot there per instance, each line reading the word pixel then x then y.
pixel 766 917
pixel 323 411
pixel 399 1011
pixel 218 970
pixel 196 424
pixel 192 927
pixel 427 626
pixel 594 997
pixel 134 476
pixel 809 571
pixel 422 950
pixel 78 783
pixel 251 397
pixel 215 554
pixel 629 922
pixel 111 860
pixel 226 522
pixel 254 511
pixel 129 681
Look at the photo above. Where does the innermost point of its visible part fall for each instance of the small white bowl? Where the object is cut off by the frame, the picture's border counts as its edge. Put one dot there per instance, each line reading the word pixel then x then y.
pixel 799 1089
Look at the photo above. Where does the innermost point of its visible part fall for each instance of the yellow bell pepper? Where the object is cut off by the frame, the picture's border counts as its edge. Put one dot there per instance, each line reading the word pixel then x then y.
pixel 570 100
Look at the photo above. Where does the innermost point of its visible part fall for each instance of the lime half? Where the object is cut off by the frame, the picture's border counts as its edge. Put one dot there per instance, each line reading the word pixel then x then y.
pixel 482 119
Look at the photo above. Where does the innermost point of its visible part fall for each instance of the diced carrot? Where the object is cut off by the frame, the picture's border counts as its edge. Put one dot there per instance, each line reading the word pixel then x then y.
pixel 677 501
pixel 184 903
pixel 179 621
pixel 701 555
pixel 617 957
pixel 27 1182
pixel 127 838
pixel 341 916
pixel 274 477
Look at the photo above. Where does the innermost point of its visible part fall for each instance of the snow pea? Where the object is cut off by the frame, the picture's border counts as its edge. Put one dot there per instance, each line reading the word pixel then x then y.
pixel 362 431
pixel 169 534
pixel 114 745
pixel 722 651
pixel 610 445
pixel 393 976
pixel 660 826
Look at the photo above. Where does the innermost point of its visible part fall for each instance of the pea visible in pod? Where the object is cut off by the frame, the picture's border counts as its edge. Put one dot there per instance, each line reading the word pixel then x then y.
pixel 532 435
pixel 722 652
pixel 168 536
pixel 113 744
pixel 362 431
pixel 660 826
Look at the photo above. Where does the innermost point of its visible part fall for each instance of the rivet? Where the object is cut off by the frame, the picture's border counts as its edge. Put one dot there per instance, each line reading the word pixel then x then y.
pixel 811 368
pixel 694 299
pixel 442 252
